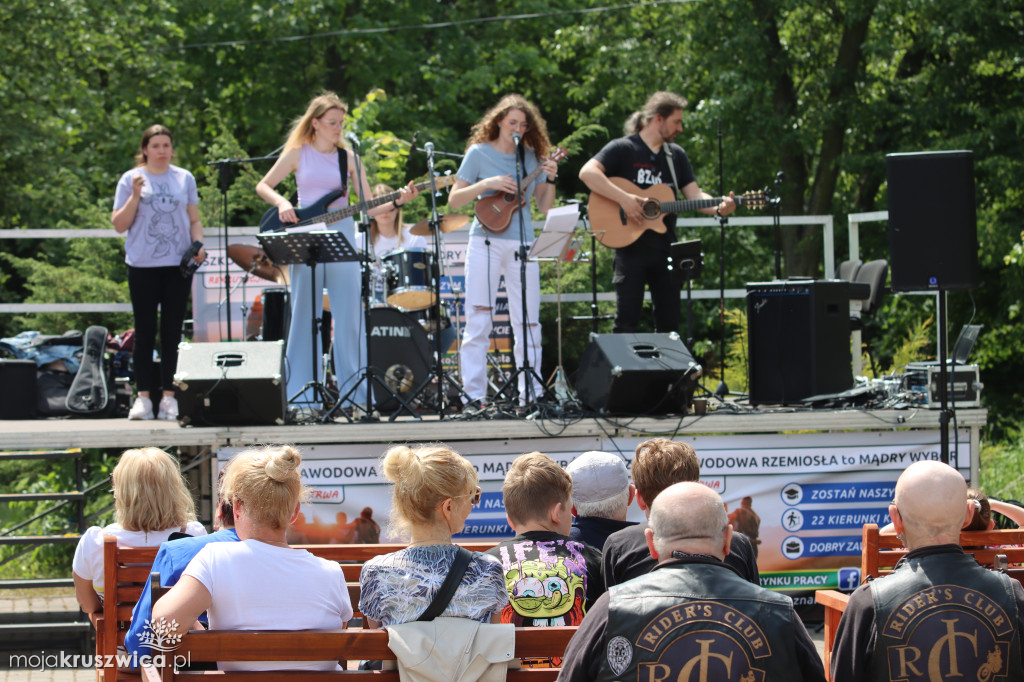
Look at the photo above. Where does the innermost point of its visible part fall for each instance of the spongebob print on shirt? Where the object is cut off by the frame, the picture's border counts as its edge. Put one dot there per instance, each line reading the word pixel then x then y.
pixel 546 582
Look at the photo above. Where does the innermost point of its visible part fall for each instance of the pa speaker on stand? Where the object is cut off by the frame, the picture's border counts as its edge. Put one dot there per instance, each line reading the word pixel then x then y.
pixel 637 374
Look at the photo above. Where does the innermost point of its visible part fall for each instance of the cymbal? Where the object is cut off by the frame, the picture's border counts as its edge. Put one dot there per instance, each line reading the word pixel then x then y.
pixel 246 256
pixel 449 223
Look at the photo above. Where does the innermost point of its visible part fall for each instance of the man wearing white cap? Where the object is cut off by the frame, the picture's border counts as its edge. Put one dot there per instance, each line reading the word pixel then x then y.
pixel 601 495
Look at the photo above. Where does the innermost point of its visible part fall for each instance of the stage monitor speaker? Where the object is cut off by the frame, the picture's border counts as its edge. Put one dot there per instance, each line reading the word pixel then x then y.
pixel 933 229
pixel 637 374
pixel 231 384
pixel 798 334
pixel 19 395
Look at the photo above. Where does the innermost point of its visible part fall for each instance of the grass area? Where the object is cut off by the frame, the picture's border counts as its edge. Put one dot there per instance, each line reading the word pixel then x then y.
pixel 1002 468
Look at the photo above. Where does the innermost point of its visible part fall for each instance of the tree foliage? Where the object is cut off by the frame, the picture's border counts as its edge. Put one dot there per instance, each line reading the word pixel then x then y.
pixel 821 91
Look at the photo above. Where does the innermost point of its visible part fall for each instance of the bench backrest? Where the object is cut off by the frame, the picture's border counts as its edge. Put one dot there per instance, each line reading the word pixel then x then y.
pixel 349 644
pixel 881 551
pixel 126 573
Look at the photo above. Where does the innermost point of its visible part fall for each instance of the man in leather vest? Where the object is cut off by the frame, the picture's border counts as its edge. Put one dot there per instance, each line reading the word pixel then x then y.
pixel 938 615
pixel 693 617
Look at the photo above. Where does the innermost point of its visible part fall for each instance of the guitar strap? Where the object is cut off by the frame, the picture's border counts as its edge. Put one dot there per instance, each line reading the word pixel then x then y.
pixel 671 166
pixel 343 167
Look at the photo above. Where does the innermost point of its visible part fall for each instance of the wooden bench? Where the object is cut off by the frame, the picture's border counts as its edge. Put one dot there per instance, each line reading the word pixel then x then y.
pixel 1001 549
pixel 317 645
pixel 126 573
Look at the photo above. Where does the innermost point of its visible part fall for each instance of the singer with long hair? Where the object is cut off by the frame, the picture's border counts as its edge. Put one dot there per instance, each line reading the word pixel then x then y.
pixel 489 167
pixel 316 153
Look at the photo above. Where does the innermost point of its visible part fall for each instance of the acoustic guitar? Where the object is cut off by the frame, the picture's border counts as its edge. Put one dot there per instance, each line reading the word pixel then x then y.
pixel 611 227
pixel 318 213
pixel 495 211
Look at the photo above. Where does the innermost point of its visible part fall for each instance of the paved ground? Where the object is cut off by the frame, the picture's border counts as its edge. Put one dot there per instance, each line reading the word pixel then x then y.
pixel 66 602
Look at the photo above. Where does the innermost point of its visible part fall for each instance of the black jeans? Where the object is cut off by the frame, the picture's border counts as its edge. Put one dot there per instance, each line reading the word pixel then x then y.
pixel 636 266
pixel 167 289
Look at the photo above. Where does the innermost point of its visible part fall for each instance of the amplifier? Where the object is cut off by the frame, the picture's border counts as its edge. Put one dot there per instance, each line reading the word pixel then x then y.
pixel 923 378
pixel 231 384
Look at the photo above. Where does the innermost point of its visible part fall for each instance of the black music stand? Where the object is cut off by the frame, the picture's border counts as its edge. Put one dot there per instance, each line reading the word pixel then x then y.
pixel 312 249
pixel 685 264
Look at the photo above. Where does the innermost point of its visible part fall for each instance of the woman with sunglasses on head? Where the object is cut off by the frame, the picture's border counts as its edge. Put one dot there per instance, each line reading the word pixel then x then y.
pixel 315 152
pixel 435 490
pixel 488 168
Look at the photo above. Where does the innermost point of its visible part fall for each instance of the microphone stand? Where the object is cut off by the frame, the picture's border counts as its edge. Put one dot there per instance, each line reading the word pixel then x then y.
pixel 223 184
pixel 722 389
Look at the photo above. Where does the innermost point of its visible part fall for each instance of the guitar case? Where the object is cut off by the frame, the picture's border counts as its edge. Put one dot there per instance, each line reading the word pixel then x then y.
pixel 90 393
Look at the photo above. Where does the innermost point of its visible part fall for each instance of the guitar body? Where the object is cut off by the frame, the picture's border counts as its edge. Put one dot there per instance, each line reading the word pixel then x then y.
pixel 609 223
pixel 270 222
pixel 495 212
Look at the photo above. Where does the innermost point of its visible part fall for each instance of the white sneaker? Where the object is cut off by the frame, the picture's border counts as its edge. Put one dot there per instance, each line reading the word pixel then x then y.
pixel 168 408
pixel 142 408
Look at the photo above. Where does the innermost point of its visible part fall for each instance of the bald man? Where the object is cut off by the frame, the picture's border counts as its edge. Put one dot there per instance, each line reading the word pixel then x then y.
pixel 939 615
pixel 693 617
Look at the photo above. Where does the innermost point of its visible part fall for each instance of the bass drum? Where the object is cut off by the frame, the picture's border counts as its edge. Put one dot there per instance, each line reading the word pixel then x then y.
pixel 408 278
pixel 399 353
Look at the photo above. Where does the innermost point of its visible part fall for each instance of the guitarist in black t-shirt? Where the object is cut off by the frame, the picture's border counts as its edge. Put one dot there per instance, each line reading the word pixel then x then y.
pixel 642 158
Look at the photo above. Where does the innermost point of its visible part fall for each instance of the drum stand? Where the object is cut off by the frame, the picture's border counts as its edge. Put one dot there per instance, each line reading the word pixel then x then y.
pixel 312 249
pixel 437 374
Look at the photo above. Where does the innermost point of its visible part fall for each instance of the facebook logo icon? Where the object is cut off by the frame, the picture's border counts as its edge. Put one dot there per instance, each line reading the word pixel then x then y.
pixel 849 579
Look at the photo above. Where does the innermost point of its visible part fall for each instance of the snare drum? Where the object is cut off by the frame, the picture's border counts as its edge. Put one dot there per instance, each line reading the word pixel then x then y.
pixel 408 278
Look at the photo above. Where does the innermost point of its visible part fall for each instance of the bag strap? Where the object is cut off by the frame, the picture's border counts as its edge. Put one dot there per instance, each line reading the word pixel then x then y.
pixel 343 168
pixel 451 583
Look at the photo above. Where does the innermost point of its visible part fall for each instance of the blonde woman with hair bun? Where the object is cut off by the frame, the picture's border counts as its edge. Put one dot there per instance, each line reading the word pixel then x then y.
pixel 435 490
pixel 261 583
pixel 151 501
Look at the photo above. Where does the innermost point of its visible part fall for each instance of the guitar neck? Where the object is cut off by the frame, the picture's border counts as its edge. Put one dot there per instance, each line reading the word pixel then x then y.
pixel 342 213
pixel 684 205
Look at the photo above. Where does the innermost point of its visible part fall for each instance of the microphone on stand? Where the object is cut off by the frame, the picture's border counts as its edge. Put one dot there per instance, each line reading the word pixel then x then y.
pixel 516 138
pixel 429 149
pixel 353 140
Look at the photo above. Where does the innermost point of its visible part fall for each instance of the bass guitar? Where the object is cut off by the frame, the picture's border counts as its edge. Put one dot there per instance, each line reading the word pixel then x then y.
pixel 495 211
pixel 318 213
pixel 611 227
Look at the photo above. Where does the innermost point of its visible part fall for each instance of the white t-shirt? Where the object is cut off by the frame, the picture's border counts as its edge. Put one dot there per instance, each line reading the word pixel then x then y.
pixel 257 586
pixel 161 232
pixel 88 561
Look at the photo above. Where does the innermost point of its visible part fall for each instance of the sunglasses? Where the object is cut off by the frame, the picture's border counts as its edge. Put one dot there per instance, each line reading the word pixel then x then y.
pixel 475 497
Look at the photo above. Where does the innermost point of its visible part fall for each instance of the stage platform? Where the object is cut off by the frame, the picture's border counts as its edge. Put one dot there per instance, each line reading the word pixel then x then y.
pixel 121 433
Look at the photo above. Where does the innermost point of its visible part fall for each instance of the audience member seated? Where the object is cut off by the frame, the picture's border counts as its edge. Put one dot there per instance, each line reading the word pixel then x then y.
pixel 171 560
pixel 151 501
pixel 435 490
pixel 260 583
pixel 658 464
pixel 692 617
pixel 938 615
pixel 601 495
pixel 551 578
pixel 981 514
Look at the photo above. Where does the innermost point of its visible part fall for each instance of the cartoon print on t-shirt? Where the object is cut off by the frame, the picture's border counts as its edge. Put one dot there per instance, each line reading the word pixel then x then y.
pixel 162 230
pixel 545 593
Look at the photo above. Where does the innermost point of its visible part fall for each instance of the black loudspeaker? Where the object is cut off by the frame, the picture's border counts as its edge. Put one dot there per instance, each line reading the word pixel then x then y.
pixel 799 340
pixel 231 384
pixel 636 374
pixel 18 397
pixel 933 229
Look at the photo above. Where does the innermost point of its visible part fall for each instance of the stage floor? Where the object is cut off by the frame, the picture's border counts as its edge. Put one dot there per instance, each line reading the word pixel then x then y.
pixel 121 433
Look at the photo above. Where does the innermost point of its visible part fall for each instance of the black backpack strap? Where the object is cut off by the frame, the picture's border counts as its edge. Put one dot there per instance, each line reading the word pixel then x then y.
pixel 451 583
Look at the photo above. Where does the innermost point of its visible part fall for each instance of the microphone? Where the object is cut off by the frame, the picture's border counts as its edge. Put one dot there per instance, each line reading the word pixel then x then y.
pixel 353 140
pixel 516 138
pixel 429 148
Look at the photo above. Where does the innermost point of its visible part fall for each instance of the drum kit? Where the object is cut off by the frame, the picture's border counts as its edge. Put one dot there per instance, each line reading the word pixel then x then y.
pixel 403 316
